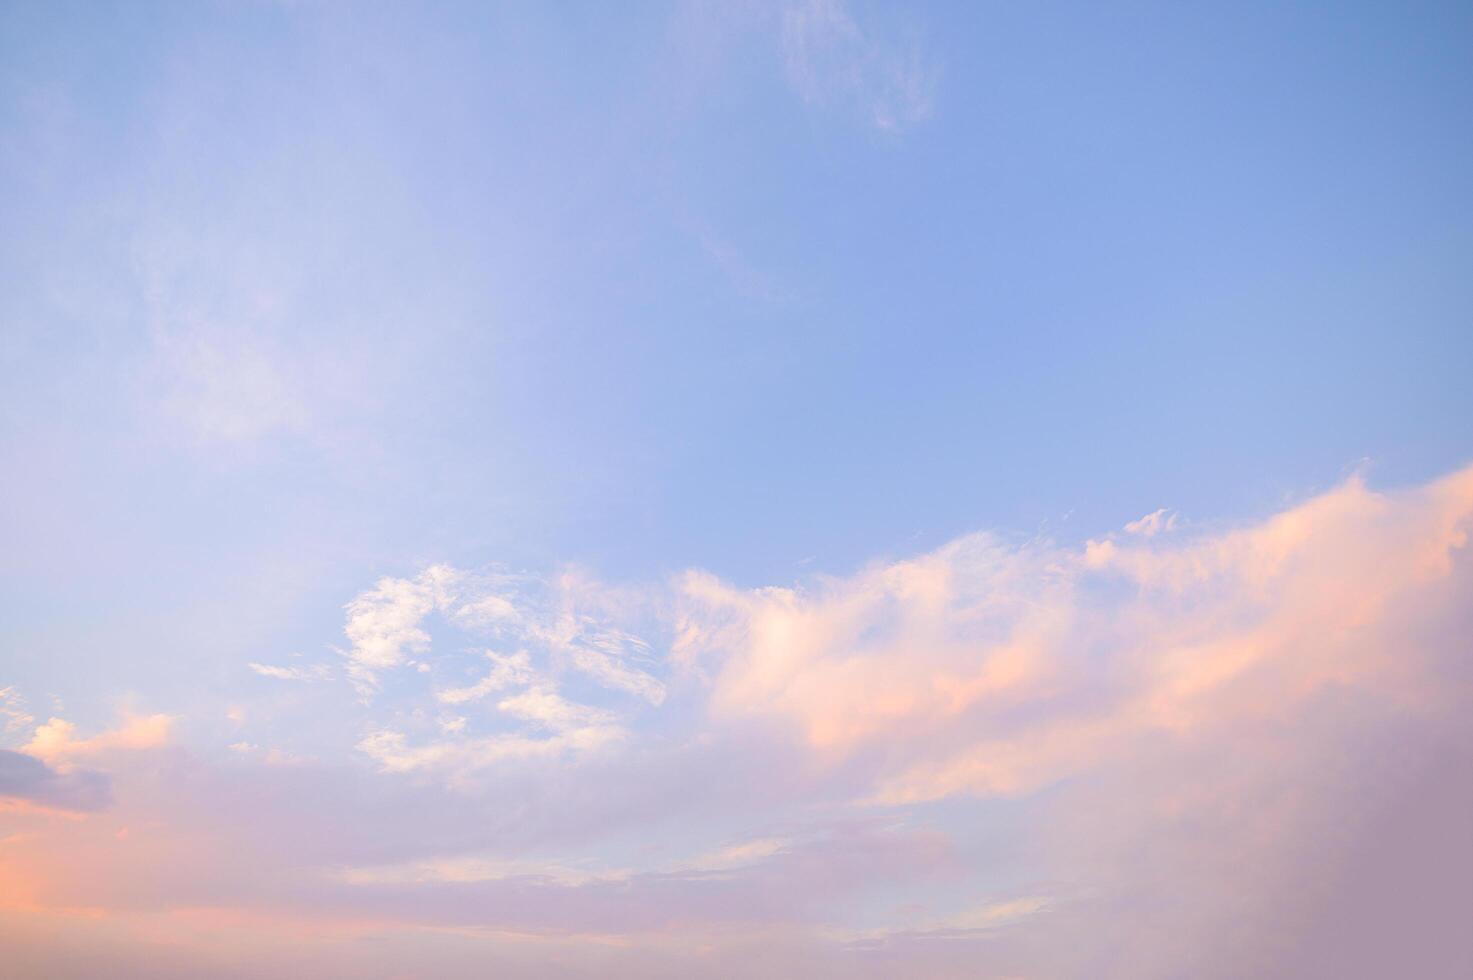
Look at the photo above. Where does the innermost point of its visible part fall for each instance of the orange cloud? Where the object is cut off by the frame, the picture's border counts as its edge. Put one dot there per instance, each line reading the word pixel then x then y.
pixel 56 740
pixel 994 670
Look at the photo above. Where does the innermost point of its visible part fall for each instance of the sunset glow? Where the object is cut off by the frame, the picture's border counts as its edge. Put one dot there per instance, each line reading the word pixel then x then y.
pixel 794 489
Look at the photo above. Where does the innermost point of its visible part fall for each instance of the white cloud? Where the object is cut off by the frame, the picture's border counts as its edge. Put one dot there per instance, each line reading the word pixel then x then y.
pixel 603 653
pixel 384 623
pixel 506 670
pixel 552 711
pixel 1153 524
pixel 386 626
pixel 13 714
pixel 831 60
pixel 488 611
pixel 316 672
pixel 458 758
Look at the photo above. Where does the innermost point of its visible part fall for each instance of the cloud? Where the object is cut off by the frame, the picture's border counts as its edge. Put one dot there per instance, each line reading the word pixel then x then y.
pixel 983 669
pixel 1152 524
pixel 831 60
pixel 602 653
pixel 549 710
pixel 570 727
pixel 13 714
pixel 567 619
pixel 470 868
pixel 26 778
pixel 910 644
pixel 384 623
pixel 505 671
pixel 740 855
pixel 314 673
pixel 579 621
pixel 1204 714
pixel 56 739
pixel 1217 753
pixel 460 757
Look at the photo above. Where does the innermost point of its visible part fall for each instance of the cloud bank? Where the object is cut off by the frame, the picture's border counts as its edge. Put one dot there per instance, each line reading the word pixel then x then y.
pixel 26 779
pixel 1175 749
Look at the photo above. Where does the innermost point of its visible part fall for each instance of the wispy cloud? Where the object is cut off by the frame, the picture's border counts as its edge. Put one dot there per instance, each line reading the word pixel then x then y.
pixel 1154 523
pixel 832 60
pixel 315 672
pixel 560 618
pixel 505 672
pixel 550 710
pixel 13 711
pixel 459 757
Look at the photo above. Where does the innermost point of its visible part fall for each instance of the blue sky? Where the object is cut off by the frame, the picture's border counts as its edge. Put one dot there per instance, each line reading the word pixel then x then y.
pixel 298 297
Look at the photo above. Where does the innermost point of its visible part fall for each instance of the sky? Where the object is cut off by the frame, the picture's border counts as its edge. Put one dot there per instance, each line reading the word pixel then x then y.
pixel 744 489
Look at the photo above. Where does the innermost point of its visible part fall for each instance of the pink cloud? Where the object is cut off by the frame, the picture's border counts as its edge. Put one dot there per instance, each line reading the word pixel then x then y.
pixel 1226 753
pixel 56 740
pixel 984 669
